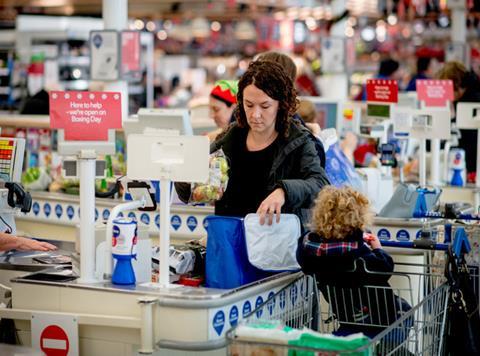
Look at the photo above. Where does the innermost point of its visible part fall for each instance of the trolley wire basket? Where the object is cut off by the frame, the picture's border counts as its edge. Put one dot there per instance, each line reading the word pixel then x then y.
pixel 408 319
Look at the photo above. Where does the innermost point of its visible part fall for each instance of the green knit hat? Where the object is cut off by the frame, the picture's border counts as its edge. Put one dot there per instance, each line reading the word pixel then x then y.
pixel 226 91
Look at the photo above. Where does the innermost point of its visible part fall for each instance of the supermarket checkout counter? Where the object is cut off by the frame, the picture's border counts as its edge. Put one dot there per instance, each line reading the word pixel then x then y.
pixel 116 320
pixel 101 318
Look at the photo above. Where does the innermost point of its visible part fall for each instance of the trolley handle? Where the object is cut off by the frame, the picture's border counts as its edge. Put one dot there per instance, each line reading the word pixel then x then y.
pixel 425 244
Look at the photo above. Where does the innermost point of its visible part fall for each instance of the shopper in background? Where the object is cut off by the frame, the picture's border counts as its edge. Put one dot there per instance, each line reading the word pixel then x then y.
pixel 308 113
pixel 466 85
pixel 424 71
pixel 222 103
pixel 303 83
pixel 338 166
pixel 274 165
pixel 285 62
pixel 37 104
pixel 290 69
pixel 11 242
pixel 388 69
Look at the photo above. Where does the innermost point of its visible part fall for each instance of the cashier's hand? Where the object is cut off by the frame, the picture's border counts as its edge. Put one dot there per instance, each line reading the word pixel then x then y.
pixel 271 205
pixel 25 244
pixel 372 241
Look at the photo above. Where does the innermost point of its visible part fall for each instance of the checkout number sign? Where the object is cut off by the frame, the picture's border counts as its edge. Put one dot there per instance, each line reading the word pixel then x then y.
pixel 382 90
pixel 85 116
pixel 55 335
pixel 435 92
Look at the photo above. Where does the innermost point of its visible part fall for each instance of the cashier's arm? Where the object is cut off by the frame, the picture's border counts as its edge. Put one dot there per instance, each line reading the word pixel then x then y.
pixel 11 242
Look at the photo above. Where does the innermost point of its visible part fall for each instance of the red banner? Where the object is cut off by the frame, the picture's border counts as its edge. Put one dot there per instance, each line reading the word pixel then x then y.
pixel 435 92
pixel 85 116
pixel 130 51
pixel 382 90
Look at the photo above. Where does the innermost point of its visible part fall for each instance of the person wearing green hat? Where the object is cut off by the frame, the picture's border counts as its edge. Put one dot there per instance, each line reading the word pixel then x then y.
pixel 222 103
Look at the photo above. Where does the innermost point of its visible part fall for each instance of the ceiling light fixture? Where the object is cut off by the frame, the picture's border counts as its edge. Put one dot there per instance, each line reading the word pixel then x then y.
pixel 215 26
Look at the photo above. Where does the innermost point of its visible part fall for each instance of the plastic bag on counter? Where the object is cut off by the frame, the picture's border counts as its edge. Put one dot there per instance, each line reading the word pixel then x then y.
pixel 217 182
pixel 182 259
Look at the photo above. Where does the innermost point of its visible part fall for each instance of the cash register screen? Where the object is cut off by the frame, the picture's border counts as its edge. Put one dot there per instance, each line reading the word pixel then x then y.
pixel 378 111
pixel 11 159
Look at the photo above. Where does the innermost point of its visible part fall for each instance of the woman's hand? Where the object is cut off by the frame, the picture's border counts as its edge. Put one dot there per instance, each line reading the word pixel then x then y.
pixel 271 205
pixel 26 244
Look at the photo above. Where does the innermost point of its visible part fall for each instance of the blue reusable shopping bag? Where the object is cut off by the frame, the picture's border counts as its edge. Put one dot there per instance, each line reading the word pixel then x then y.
pixel 226 263
pixel 340 170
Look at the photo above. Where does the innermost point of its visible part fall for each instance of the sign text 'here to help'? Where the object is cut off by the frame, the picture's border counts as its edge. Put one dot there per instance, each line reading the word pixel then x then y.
pixel 85 116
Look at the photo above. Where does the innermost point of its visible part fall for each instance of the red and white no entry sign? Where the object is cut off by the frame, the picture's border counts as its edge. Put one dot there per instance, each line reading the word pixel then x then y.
pixel 54 341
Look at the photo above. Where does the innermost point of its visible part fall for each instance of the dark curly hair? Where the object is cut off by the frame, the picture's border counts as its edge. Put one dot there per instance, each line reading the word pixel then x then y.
pixel 271 79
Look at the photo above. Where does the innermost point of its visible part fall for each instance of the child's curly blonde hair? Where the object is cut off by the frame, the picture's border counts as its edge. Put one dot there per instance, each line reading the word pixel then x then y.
pixel 338 212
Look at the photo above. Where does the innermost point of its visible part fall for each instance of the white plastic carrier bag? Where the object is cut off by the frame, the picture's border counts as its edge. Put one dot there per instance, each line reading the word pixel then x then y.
pixel 272 247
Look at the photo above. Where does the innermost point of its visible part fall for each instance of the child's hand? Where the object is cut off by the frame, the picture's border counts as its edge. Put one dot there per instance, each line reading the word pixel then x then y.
pixel 372 241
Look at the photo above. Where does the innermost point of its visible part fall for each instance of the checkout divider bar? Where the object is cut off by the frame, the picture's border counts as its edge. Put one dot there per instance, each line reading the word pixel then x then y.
pixel 193 346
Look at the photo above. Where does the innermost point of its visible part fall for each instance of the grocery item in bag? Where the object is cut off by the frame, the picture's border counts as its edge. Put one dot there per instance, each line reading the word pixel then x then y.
pixel 217 182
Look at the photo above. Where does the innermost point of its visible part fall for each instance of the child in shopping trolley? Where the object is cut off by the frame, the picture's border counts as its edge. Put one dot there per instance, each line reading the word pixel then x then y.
pixel 345 259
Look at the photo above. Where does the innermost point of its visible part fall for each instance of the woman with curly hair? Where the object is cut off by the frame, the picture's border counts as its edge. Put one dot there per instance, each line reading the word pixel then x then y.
pixel 274 166
pixel 345 259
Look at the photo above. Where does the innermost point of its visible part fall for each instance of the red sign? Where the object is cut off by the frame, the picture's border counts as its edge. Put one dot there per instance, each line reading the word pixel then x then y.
pixel 54 341
pixel 435 92
pixel 267 32
pixel 382 90
pixel 130 51
pixel 85 116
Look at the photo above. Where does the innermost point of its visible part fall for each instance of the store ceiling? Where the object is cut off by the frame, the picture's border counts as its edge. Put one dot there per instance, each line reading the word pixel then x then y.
pixel 220 9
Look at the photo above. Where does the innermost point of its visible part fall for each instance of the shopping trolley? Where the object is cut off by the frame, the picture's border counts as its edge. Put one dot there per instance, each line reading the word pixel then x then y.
pixel 279 325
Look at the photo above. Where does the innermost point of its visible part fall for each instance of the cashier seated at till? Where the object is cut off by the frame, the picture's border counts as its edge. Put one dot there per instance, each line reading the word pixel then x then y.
pixel 274 166
pixel 12 242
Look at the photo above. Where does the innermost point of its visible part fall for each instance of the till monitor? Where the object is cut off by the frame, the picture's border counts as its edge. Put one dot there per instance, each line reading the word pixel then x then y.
pixel 378 111
pixel 12 151
pixel 176 158
pixel 328 111
pixel 408 100
pixel 156 121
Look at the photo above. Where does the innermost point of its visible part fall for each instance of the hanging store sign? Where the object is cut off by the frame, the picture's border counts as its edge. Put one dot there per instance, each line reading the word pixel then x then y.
pixel 130 44
pixel 104 55
pixel 333 55
pixel 85 116
pixel 435 92
pixel 382 90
